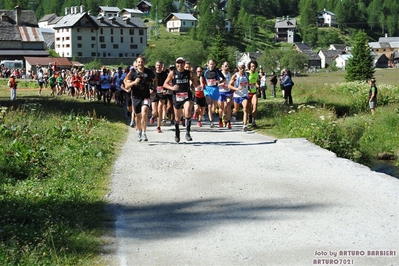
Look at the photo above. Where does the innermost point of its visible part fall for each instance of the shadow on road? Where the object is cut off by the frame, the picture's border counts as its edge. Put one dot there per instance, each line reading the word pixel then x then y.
pixel 177 219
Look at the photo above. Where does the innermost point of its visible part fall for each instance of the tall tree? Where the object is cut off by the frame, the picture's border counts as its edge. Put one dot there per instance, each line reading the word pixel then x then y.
pixel 210 22
pixel 360 65
pixel 218 50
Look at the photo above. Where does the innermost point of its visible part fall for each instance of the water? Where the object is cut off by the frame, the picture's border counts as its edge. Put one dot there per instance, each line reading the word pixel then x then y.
pixel 386 167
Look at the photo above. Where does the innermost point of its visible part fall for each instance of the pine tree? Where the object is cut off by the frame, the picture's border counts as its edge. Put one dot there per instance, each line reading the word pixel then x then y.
pixel 218 50
pixel 360 65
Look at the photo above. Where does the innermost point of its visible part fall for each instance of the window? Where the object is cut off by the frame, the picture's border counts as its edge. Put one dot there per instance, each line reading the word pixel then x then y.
pixel 184 23
pixel 67 46
pixel 141 39
pixel 115 46
pixel 57 39
pixel 79 45
pixel 121 31
pixel 133 46
pixel 101 39
pixel 120 55
pixel 93 45
pixel 109 54
pixel 131 31
pixel 79 53
pixel 101 31
pixel 79 38
pixel 92 30
pixel 121 39
pixel 93 54
pixel 112 31
pixel 103 46
pixel 67 38
pixel 104 54
pixel 141 32
pixel 131 39
pixel 112 38
pixel 58 46
pixel 93 38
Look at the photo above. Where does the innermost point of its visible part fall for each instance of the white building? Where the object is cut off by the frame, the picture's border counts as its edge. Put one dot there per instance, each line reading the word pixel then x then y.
pixel 80 35
pixel 131 13
pixel 180 22
pixel 326 18
pixel 341 60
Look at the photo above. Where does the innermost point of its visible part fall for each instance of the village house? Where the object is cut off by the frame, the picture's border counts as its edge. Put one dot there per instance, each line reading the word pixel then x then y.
pixel 107 11
pixel 180 22
pixel 387 46
pixel 285 30
pixel 145 7
pixel 20 35
pixel 108 37
pixel 131 13
pixel 314 59
pixel 326 19
pixel 341 60
pixel 246 57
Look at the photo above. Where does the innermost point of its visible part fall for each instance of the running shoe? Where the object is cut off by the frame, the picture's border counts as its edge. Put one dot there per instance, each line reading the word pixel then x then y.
pixel 159 130
pixel 188 137
pixel 144 136
pixel 177 138
pixel 220 123
pixel 152 120
pixel 132 124
pixel 233 118
pixel 212 125
pixel 245 128
pixel 199 124
pixel 195 115
pixel 163 123
pixel 228 125
pixel 139 135
pixel 254 123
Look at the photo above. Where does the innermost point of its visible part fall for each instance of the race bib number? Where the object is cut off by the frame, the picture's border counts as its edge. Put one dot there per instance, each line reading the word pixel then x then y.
pixel 181 96
pixel 199 88
pixel 211 82
pixel 243 84
pixel 160 89
pixel 146 101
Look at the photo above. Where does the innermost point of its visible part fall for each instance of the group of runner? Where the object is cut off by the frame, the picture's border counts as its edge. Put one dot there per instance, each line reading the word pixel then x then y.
pixel 184 92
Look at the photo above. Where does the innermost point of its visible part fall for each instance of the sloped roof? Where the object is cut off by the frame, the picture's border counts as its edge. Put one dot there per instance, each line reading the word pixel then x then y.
pixel 388 39
pixel 28 18
pixel 290 23
pixel 131 10
pixel 339 46
pixel 146 2
pixel 110 8
pixel 48 17
pixel 302 47
pixel 329 53
pixel 45 61
pixel 30 34
pixel 25 52
pixel 181 16
pixel 70 20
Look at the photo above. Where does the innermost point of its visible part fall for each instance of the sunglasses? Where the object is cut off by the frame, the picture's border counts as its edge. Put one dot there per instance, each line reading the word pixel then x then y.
pixel 180 62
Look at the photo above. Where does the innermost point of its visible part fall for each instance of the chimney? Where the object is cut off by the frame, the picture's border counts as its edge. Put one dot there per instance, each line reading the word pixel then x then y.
pixel 4 17
pixel 112 19
pixel 127 20
pixel 82 9
pixel 67 10
pixel 18 15
pixel 89 12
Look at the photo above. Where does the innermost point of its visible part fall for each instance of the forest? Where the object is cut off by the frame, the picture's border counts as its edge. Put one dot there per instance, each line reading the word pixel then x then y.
pixel 373 15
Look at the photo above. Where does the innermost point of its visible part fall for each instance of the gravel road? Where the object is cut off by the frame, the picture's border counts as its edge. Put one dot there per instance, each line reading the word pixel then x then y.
pixel 235 198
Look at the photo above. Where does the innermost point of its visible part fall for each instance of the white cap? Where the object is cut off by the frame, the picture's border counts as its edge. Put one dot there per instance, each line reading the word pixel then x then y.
pixel 240 64
pixel 180 59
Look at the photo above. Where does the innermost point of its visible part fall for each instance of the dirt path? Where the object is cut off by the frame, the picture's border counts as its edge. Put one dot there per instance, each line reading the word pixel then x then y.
pixel 235 198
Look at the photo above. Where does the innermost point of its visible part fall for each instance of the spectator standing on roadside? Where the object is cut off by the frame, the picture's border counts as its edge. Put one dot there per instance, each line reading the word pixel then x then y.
pixel 263 85
pixel 287 85
pixel 373 95
pixel 273 82
pixel 12 84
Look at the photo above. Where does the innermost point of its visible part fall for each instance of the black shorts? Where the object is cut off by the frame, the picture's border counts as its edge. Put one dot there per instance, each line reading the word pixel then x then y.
pixel 128 98
pixel 140 102
pixel 180 104
pixel 158 97
pixel 200 101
